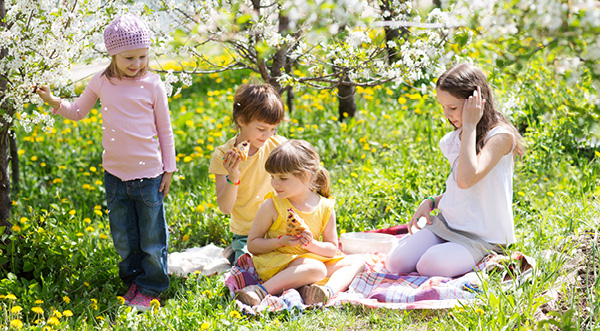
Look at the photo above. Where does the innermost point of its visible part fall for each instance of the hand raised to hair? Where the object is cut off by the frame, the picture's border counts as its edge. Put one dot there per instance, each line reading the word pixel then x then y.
pixel 473 110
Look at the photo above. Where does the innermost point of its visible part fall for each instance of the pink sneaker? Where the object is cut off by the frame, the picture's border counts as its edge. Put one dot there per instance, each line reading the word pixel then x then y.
pixel 133 288
pixel 142 302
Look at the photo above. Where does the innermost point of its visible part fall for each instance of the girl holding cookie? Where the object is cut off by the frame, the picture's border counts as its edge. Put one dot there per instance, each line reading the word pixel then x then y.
pixel 284 259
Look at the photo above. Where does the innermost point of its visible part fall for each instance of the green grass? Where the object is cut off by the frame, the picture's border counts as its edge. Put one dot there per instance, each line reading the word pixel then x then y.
pixel 382 164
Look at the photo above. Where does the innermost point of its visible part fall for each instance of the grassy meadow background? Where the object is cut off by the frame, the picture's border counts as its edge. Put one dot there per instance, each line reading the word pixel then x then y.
pixel 60 270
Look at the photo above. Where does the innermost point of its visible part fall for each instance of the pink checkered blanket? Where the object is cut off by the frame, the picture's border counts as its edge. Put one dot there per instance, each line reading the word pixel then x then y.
pixel 377 288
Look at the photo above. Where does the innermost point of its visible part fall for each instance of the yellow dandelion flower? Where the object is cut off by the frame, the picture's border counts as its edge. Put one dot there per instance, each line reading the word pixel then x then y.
pixel 53 321
pixel 66 299
pixel 87 220
pixel 94 301
pixel 37 310
pixel 88 284
pixel 16 324
pixel 101 318
pixel 98 182
pixel 187 159
pixel 89 229
pixel 121 299
pixel 103 236
pixel 34 158
pixel 23 220
pixel 79 234
pixel 200 208
pixel 72 212
pixel 207 294
pixel 98 212
pixel 58 314
pixel 186 237
pixel 155 305
pixel 235 314
pixel 93 169
pixel 47 328
pixel 21 152
pixel 68 313
pixel 16 228
pixel 57 181
pixel 16 309
pixel 204 326
pixel 479 311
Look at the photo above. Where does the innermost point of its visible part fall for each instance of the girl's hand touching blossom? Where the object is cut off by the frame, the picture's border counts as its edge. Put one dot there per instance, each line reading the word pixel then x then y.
pixel 46 95
pixel 231 162
pixel 473 110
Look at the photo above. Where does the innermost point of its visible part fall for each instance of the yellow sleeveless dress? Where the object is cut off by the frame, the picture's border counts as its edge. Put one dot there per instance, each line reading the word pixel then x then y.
pixel 269 264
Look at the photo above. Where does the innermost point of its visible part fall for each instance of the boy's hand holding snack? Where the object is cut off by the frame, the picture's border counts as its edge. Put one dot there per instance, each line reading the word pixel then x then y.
pixel 242 149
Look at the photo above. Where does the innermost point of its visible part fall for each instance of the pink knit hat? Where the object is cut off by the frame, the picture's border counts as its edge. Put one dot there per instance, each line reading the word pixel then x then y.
pixel 126 33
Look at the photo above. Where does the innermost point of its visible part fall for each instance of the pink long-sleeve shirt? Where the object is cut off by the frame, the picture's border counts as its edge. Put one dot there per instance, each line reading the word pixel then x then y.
pixel 137 135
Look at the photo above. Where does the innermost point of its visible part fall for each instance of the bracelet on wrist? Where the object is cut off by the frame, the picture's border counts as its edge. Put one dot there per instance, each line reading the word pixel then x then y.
pixel 230 182
pixel 433 203
pixel 279 241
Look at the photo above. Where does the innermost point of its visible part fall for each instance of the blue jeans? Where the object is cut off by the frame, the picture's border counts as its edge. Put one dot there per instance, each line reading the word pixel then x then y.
pixel 139 230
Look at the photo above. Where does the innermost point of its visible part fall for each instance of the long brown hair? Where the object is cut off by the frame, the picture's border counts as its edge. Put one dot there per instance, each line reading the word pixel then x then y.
pixel 299 158
pixel 113 72
pixel 461 81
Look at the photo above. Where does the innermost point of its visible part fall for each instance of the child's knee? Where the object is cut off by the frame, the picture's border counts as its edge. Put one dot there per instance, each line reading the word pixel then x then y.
pixel 434 263
pixel 317 269
pixel 396 263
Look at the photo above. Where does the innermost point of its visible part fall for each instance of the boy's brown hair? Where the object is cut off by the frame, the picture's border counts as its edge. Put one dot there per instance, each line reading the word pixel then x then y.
pixel 257 102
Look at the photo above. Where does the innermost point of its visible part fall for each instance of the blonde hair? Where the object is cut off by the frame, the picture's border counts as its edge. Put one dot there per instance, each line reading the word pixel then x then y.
pixel 113 72
pixel 299 158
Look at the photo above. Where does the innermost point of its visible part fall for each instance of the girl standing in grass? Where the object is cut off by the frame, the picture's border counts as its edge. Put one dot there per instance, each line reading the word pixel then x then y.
pixel 242 185
pixel 286 261
pixel 476 210
pixel 138 157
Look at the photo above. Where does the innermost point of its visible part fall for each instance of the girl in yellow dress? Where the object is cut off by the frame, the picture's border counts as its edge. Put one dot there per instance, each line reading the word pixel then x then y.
pixel 286 261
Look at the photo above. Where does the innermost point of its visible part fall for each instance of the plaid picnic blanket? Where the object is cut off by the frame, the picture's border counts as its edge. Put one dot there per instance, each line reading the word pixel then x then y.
pixel 377 288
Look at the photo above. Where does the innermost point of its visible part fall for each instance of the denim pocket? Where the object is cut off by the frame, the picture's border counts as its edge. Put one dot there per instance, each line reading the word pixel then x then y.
pixel 149 191
pixel 110 186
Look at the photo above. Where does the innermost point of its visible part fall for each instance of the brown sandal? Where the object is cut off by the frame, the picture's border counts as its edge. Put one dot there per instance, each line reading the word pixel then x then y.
pixel 251 295
pixel 312 294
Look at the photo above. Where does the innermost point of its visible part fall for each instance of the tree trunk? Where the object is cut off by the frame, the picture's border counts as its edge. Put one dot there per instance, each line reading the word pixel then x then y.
pixel 14 163
pixel 392 34
pixel 5 202
pixel 346 100
pixel 281 56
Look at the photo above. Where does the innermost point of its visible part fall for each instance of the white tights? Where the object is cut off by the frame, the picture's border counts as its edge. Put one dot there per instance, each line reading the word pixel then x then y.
pixel 429 255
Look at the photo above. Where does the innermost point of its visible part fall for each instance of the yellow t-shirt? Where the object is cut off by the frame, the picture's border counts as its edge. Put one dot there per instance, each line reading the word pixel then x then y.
pixel 255 182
